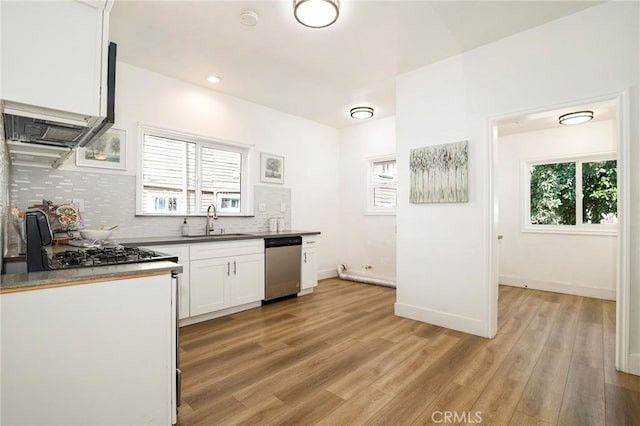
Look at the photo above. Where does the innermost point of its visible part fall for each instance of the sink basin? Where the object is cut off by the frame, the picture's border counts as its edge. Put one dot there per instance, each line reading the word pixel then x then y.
pixel 230 235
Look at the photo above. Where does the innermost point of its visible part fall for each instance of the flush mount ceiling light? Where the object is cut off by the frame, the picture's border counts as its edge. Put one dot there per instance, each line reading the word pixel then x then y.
pixel 360 113
pixel 316 13
pixel 577 117
pixel 213 79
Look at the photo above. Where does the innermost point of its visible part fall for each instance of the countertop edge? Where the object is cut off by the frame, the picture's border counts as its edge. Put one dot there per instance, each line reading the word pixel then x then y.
pixel 170 240
pixel 79 276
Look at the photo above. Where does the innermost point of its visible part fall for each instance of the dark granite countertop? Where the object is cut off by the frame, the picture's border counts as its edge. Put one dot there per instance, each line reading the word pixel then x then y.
pixel 13 256
pixel 63 277
pixel 142 241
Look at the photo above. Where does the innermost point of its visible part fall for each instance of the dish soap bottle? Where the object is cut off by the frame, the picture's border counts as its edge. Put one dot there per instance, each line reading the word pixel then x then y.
pixel 185 228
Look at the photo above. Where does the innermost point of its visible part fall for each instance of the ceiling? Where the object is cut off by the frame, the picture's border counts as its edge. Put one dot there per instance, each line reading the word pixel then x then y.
pixel 319 74
pixel 542 120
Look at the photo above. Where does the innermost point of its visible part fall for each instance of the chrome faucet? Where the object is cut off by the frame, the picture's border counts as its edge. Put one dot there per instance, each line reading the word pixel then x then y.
pixel 208 227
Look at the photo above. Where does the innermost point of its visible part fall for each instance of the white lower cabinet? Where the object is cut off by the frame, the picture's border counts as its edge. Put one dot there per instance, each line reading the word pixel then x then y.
pixel 225 275
pixel 217 276
pixel 309 263
pixel 100 353
pixel 209 290
pixel 246 285
pixel 182 253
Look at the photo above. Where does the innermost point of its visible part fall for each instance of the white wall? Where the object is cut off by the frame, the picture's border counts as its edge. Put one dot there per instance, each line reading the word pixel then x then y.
pixel 311 150
pixel 443 250
pixel 575 264
pixel 365 239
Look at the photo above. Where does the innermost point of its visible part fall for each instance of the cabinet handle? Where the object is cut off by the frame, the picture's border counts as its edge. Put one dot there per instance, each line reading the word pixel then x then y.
pixel 235 271
pixel 305 257
pixel 228 268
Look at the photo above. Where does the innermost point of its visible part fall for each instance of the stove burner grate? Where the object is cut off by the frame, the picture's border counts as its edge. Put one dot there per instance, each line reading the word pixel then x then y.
pixel 103 256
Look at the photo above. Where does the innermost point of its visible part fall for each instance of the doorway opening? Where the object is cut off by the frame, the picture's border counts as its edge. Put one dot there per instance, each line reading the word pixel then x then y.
pixel 550 187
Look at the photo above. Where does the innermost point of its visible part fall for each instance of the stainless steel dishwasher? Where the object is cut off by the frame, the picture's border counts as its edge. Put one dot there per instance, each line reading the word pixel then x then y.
pixel 282 266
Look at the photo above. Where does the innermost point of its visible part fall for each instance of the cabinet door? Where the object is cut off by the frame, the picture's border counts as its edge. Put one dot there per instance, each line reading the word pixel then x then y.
pixel 247 279
pixel 208 285
pixel 309 269
pixel 52 54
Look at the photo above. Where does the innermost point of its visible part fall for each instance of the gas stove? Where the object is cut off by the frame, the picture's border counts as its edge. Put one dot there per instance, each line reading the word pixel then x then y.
pixel 42 257
pixel 104 256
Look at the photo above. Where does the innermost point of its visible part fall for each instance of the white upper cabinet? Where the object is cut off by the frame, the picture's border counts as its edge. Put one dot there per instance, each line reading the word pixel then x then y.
pixel 54 54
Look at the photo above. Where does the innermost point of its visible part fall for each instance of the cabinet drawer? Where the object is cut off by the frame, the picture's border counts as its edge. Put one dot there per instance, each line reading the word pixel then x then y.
pixel 179 250
pixel 310 241
pixel 226 248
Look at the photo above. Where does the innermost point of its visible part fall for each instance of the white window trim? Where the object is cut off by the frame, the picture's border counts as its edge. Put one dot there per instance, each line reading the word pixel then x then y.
pixel 579 228
pixel 370 210
pixel 246 195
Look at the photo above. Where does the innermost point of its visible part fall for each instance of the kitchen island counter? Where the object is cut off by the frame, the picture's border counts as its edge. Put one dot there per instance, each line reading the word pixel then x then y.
pixel 104 352
pixel 75 276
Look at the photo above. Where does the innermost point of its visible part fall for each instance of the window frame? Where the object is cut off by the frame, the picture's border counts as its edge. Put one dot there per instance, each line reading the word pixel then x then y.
pixel 246 197
pixel 370 209
pixel 579 228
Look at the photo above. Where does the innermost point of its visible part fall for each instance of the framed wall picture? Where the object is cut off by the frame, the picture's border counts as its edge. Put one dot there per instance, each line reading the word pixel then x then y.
pixel 439 174
pixel 108 151
pixel 271 168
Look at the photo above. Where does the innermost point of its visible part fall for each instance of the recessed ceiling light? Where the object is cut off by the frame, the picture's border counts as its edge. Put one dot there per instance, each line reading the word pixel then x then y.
pixel 577 117
pixel 316 13
pixel 249 18
pixel 361 113
pixel 213 79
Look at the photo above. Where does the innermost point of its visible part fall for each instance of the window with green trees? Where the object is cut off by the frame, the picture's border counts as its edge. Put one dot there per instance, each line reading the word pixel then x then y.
pixel 573 192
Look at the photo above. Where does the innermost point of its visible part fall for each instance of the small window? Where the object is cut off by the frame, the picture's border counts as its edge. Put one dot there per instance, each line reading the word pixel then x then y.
pixel 572 195
pixel 382 185
pixel 183 174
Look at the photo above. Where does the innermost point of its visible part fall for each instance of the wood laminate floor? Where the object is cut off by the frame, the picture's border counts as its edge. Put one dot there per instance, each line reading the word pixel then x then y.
pixel 340 357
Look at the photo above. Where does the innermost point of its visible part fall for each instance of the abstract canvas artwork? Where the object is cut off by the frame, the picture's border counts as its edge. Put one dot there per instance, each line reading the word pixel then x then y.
pixel 439 174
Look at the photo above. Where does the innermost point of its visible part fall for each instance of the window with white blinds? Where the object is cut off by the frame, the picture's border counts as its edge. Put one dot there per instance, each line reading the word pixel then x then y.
pixel 382 185
pixel 184 175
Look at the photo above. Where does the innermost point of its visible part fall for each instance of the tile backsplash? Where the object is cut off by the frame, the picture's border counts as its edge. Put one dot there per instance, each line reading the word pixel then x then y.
pixel 109 199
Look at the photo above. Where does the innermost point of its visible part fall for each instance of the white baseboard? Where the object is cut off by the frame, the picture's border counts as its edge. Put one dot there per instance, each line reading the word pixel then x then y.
pixel 598 293
pixel 305 291
pixel 327 273
pixel 634 364
pixel 442 319
pixel 218 314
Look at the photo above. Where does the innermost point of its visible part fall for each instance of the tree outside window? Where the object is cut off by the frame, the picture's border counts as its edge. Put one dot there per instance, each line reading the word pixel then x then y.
pixel 573 192
pixel 600 192
pixel 553 194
